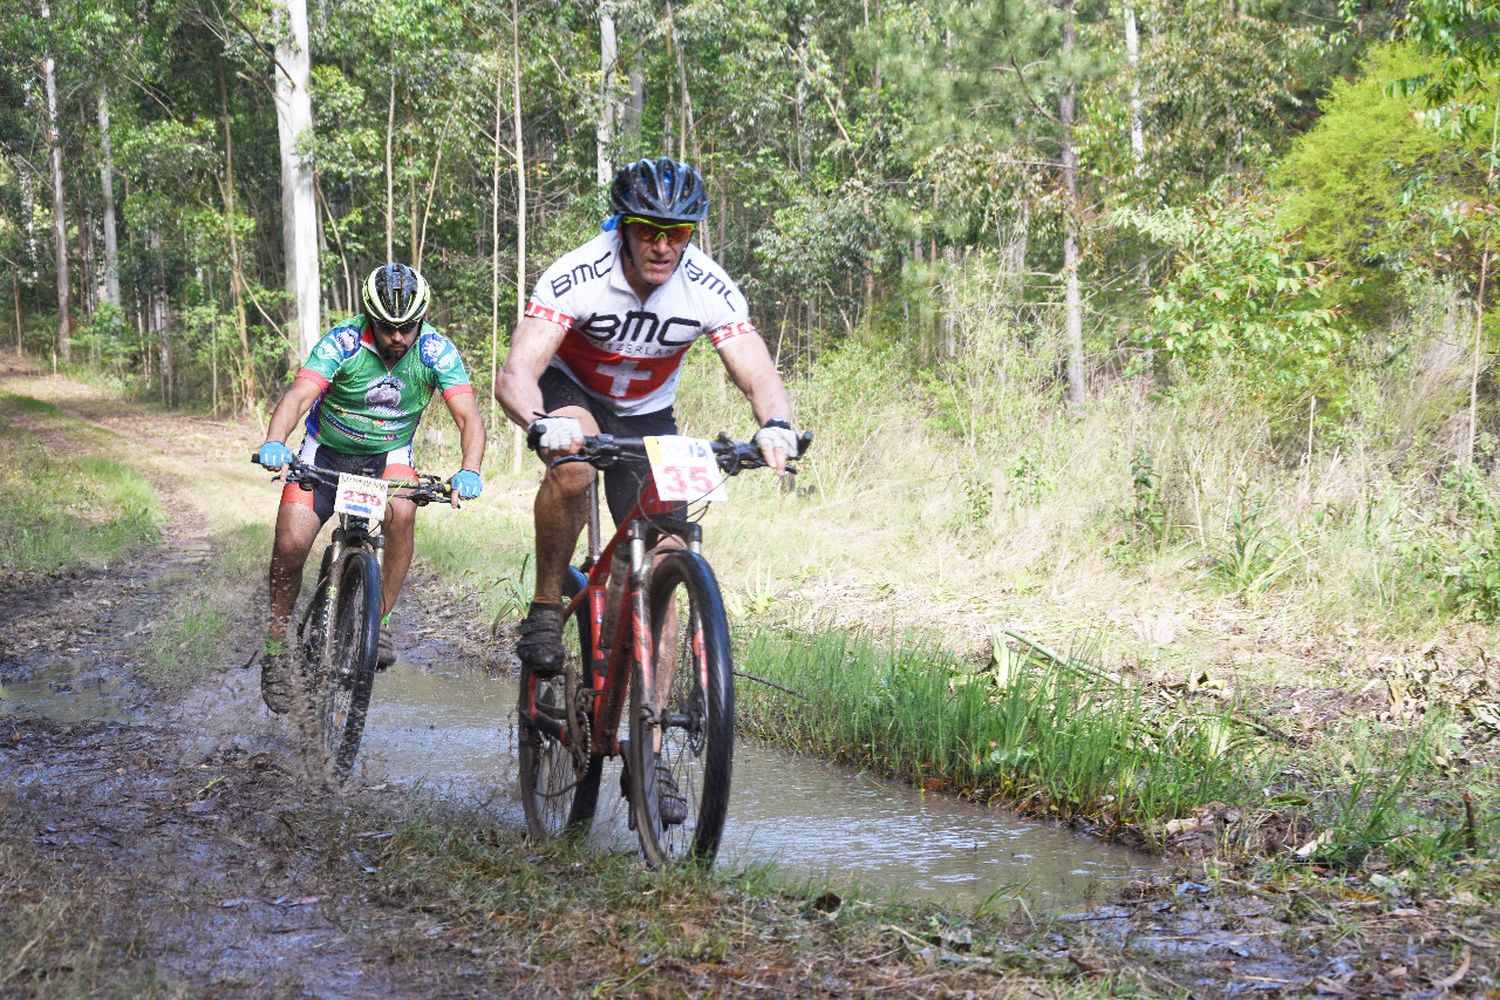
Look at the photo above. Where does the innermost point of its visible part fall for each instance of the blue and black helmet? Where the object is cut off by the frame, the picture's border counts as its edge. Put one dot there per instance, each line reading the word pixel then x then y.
pixel 662 188
pixel 396 295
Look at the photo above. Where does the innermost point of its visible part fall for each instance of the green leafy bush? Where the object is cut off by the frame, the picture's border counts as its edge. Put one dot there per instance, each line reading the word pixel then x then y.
pixel 1242 291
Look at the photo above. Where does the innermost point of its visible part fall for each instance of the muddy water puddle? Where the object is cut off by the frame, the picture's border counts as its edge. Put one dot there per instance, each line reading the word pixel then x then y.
pixel 66 694
pixel 451 732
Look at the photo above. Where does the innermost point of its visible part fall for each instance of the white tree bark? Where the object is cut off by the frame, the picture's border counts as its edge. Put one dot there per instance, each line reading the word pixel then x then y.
pixel 1133 58
pixel 299 215
pixel 518 437
pixel 107 186
pixel 59 217
pixel 609 55
pixel 1072 291
pixel 495 412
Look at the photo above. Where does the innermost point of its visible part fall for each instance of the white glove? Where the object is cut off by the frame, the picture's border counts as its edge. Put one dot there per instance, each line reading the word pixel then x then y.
pixel 782 439
pixel 555 433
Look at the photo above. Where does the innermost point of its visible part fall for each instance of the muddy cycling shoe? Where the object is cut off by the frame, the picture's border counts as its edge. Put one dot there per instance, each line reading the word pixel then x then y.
pixel 277 681
pixel 671 804
pixel 385 649
pixel 540 646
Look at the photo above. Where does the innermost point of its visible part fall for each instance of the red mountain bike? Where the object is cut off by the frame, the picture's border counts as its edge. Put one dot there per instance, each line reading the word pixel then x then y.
pixel 663 649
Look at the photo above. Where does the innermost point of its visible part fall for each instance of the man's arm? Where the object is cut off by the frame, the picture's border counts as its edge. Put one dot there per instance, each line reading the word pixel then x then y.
pixel 750 366
pixel 299 398
pixel 465 410
pixel 532 345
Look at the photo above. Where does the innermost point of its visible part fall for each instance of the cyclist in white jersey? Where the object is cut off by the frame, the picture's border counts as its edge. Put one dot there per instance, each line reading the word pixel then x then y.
pixel 599 351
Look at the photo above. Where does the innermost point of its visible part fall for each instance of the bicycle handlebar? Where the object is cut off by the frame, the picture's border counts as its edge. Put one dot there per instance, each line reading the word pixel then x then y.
pixel 733 456
pixel 425 489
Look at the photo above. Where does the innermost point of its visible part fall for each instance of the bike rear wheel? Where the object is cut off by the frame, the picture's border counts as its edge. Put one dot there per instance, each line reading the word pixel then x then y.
pixel 682 742
pixel 560 781
pixel 349 669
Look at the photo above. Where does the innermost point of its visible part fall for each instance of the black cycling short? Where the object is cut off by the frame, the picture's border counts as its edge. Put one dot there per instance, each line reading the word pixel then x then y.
pixel 387 465
pixel 623 480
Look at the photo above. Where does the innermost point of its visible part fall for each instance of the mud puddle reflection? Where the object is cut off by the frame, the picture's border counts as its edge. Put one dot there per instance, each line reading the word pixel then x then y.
pixel 451 732
pixel 66 693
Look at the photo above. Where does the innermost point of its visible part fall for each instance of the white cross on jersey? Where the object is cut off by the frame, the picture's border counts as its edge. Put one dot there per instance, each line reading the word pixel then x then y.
pixel 624 373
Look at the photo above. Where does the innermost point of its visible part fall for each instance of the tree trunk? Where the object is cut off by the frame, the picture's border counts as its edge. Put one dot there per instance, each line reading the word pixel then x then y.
pixel 1484 274
pixel 495 411
pixel 1072 294
pixel 59 217
pixel 236 267
pixel 15 292
pixel 107 186
pixel 637 106
pixel 609 55
pixel 411 209
pixel 689 137
pixel 28 218
pixel 518 439
pixel 299 217
pixel 390 167
pixel 437 164
pixel 88 279
pixel 1133 59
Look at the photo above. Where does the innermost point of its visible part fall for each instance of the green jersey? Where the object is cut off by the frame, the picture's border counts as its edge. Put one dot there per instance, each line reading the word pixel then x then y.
pixel 367 408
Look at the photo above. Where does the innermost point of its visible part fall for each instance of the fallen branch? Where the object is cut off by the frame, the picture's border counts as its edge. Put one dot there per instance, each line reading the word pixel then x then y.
pixel 768 683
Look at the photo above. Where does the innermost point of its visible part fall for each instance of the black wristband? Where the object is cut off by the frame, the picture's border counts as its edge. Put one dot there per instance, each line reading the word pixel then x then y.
pixel 785 425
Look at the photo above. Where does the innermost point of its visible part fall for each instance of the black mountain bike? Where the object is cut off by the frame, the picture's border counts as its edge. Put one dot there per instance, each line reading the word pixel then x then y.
pixel 338 635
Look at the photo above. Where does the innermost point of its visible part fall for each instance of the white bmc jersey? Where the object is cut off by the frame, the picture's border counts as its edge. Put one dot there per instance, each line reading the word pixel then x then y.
pixel 621 350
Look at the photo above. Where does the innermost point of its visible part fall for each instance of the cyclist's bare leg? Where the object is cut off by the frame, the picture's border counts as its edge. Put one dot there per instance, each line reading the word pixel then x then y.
pixel 296 528
pixel 400 519
pixel 560 510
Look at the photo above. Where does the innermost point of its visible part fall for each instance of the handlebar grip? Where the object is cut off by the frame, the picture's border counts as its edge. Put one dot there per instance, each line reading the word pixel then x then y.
pixel 255 456
pixel 804 442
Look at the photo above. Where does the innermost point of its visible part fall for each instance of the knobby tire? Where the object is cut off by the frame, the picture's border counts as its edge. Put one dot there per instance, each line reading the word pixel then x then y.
pixel 557 795
pixel 692 734
pixel 349 670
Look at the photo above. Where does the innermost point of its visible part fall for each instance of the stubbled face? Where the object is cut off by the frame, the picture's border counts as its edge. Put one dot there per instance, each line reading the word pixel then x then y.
pixel 653 259
pixel 392 342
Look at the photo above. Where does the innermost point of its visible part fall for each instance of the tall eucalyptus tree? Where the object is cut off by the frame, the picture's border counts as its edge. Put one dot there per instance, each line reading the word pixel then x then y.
pixel 299 219
pixel 59 201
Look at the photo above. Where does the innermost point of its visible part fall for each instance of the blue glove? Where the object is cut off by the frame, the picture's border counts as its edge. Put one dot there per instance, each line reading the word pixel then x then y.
pixel 467 483
pixel 273 455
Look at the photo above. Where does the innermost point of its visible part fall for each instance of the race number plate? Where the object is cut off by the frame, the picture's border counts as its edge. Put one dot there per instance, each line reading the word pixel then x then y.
pixel 361 496
pixel 685 469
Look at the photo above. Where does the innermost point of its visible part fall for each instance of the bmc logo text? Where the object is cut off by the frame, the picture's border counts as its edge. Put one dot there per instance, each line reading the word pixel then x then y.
pixel 584 272
pixel 639 328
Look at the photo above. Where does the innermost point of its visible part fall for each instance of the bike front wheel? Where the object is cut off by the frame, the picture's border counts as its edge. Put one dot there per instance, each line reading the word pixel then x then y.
pixel 682 732
pixel 559 780
pixel 349 670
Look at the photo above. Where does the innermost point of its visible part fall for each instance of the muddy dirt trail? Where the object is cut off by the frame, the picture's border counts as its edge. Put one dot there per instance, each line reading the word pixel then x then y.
pixel 176 822
pixel 168 841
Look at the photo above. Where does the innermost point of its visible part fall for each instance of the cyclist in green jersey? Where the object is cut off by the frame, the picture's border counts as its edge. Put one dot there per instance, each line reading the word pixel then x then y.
pixel 363 390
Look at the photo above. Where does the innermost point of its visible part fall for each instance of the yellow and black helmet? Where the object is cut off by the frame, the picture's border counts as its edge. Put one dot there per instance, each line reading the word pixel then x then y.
pixel 396 295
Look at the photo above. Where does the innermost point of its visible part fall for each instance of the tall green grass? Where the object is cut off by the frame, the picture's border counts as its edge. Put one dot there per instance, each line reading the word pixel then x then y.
pixel 60 510
pixel 1063 741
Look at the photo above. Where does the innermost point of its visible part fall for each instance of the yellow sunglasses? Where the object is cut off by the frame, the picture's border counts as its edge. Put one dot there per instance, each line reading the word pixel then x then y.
pixel 675 233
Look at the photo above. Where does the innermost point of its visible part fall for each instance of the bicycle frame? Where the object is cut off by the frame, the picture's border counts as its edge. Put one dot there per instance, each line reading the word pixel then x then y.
pixel 612 664
pixel 352 534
